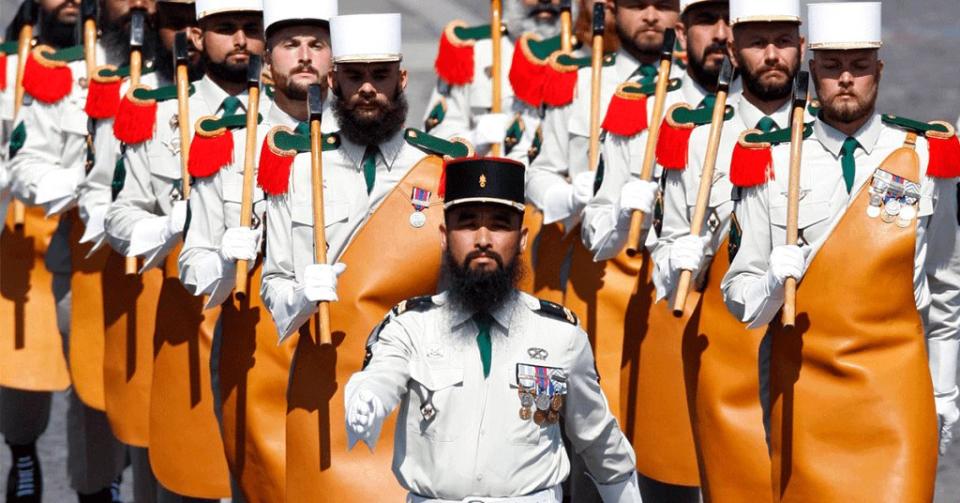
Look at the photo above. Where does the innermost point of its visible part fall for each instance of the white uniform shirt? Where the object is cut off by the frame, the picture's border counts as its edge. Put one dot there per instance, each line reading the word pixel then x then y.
pixel 477 444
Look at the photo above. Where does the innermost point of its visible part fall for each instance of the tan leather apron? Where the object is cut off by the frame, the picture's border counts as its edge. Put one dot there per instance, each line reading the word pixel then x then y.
pixel 31 349
pixel 86 316
pixel 253 375
pixel 533 222
pixel 853 417
pixel 388 261
pixel 548 250
pixel 186 452
pixel 652 386
pixel 721 358
pixel 130 313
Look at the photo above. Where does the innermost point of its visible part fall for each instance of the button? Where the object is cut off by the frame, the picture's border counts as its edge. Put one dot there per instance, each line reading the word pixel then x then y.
pixel 480 477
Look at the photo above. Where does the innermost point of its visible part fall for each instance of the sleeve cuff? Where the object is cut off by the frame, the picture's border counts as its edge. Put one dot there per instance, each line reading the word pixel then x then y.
pixel 148 236
pixel 557 203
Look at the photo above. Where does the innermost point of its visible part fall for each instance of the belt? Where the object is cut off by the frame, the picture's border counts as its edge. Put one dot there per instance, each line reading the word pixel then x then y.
pixel 550 495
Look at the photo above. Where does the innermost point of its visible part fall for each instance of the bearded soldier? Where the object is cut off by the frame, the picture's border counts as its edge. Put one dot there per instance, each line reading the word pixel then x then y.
pixel 462 363
pixel 850 394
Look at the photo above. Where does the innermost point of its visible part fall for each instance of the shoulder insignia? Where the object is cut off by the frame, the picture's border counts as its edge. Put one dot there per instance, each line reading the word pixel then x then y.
pixel 212 146
pixel 627 112
pixel 280 148
pixel 557 311
pixel 454 149
pixel 47 76
pixel 565 59
pixel 530 70
pixel 514 134
pixel 9 47
pixel 269 90
pixel 534 151
pixel 18 137
pixel 678 124
pixel 436 115
pixel 813 108
pixel 119 177
pixel 136 117
pixel 752 161
pixel 417 304
pixel 103 92
pixel 455 61
pixel 941 136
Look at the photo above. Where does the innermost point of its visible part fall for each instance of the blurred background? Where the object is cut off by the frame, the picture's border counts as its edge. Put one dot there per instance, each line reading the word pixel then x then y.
pixel 921 80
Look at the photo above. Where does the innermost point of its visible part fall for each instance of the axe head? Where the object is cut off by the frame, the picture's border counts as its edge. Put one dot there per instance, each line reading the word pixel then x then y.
pixel 88 9
pixel 181 52
pixel 669 41
pixel 315 101
pixel 801 88
pixel 254 68
pixel 599 13
pixel 29 12
pixel 726 75
pixel 138 19
pixel 565 5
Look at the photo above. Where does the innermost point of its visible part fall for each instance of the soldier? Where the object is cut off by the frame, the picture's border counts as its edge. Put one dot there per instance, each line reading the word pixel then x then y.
pixel 47 171
pixel 850 380
pixel 423 358
pixel 768 49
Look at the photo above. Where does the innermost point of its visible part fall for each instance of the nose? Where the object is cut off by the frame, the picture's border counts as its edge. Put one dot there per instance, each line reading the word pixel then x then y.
pixel 483 239
pixel 649 15
pixel 770 54
pixel 303 54
pixel 721 31
pixel 846 79
pixel 240 38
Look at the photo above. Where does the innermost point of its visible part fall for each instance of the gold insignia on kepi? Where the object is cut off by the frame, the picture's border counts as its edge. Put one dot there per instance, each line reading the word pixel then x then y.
pixel 483 181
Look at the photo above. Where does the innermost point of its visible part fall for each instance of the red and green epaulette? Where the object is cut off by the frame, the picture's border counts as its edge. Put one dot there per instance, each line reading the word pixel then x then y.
pixel 530 68
pixel 136 118
pixel 455 59
pixel 563 69
pixel 455 148
pixel 103 90
pixel 627 112
pixel 942 140
pixel 212 146
pixel 280 148
pixel 6 49
pixel 675 130
pixel 47 76
pixel 752 161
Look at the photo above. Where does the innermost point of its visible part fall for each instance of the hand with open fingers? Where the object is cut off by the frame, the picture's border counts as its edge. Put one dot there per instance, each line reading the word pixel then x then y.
pixel 687 253
pixel 949 414
pixel 320 281
pixel 787 261
pixel 177 219
pixel 583 188
pixel 639 195
pixel 240 243
pixel 365 415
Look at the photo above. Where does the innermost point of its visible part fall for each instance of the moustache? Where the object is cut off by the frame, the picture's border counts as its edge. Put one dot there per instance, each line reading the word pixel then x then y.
pixel 488 254
pixel 304 69
pixel 715 48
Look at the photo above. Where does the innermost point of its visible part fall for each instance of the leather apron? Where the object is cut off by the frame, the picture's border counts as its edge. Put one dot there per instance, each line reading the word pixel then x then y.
pixel 388 261
pixel 720 359
pixel 548 249
pixel 31 349
pixel 186 452
pixel 533 222
pixel 253 371
pixel 130 312
pixel 853 417
pixel 86 316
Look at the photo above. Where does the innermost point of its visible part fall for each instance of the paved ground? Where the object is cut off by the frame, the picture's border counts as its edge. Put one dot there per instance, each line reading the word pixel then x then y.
pixel 921 80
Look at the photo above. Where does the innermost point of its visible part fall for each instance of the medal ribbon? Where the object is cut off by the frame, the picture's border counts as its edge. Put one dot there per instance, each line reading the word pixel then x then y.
pixel 420 198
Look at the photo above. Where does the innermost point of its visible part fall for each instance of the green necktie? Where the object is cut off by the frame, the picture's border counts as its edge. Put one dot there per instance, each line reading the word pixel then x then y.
pixel 303 129
pixel 484 343
pixel 370 166
pixel 230 106
pixel 646 73
pixel 708 102
pixel 849 162
pixel 766 124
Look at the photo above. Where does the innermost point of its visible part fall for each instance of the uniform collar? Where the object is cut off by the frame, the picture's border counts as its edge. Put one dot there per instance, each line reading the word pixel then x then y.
pixel 277 117
pixel 692 92
pixel 625 64
pixel 389 150
pixel 502 315
pixel 832 139
pixel 751 115
pixel 213 95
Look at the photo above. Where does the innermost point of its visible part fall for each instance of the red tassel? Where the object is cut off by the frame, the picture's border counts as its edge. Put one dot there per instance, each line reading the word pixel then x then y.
pixel 751 167
pixel 3 72
pixel 527 74
pixel 454 62
pixel 442 186
pixel 208 154
pixel 273 173
pixel 135 120
pixel 103 98
pixel 626 114
pixel 560 84
pixel 47 82
pixel 944 157
pixel 672 146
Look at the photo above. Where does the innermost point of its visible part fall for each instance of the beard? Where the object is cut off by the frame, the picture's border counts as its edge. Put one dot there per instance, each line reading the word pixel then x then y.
pixel 292 89
pixel 849 112
pixel 772 91
pixel 521 19
pixel 375 131
pixel 480 291
pixel 163 64
pixel 706 77
pixel 222 70
pixel 629 43
pixel 55 33
pixel 115 38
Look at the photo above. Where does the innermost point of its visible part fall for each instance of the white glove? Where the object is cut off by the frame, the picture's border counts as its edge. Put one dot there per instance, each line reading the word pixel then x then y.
pixel 627 491
pixel 365 416
pixel 94 230
pixel 949 414
pixel 177 219
pixel 320 281
pixel 490 129
pixel 765 297
pixel 239 243
pixel 4 178
pixel 687 253
pixel 583 189
pixel 56 187
pixel 638 195
pixel 786 261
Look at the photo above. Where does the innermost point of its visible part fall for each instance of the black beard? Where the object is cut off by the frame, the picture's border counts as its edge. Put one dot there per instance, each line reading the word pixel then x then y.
pixel 225 71
pixel 701 74
pixel 480 291
pixel 164 66
pixel 56 34
pixel 370 132
pixel 765 92
pixel 116 42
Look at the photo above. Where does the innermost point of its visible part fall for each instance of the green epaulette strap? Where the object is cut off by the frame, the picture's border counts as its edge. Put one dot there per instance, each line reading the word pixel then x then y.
pixel 436 146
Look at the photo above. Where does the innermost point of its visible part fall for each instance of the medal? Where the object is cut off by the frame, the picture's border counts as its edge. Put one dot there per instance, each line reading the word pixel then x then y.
pixel 525 413
pixel 543 401
pixel 907 215
pixel 420 199
pixel 539 417
pixel 552 417
pixel 418 219
pixel 873 211
pixel 427 411
pixel 890 211
pixel 526 400
pixel 556 403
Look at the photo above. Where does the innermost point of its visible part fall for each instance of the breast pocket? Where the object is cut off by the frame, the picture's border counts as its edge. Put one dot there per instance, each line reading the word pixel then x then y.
pixel 74 124
pixel 522 431
pixel 301 211
pixel 812 213
pixel 436 402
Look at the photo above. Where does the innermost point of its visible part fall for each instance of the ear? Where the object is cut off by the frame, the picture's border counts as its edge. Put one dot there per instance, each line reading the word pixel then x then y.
pixel 403 79
pixel 195 34
pixel 879 70
pixel 732 53
pixel 443 237
pixel 523 239
pixel 803 47
pixel 330 76
pixel 682 35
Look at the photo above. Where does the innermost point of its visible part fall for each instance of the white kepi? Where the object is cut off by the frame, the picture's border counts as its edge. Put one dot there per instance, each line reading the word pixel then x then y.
pixel 684 4
pixel 845 25
pixel 771 11
pixel 210 7
pixel 289 11
pixel 366 38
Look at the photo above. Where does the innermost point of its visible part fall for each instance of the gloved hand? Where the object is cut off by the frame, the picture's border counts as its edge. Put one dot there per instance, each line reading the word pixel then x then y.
pixel 582 189
pixel 239 243
pixel 177 219
pixel 687 253
pixel 786 261
pixel 94 228
pixel 57 189
pixel 949 414
pixel 320 281
pixel 365 416
pixel 638 195
pixel 490 129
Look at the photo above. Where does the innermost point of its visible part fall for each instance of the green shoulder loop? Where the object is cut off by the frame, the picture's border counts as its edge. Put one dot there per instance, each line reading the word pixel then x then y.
pixel 9 47
pixel 160 94
pixel 481 32
pixel 697 116
pixel 18 137
pixel 237 121
pixel 437 146
pixel 585 62
pixel 301 143
pixel 543 49
pixel 915 126
pixel 777 137
pixel 557 311
pixel 107 72
pixel 650 88
pixel 66 55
